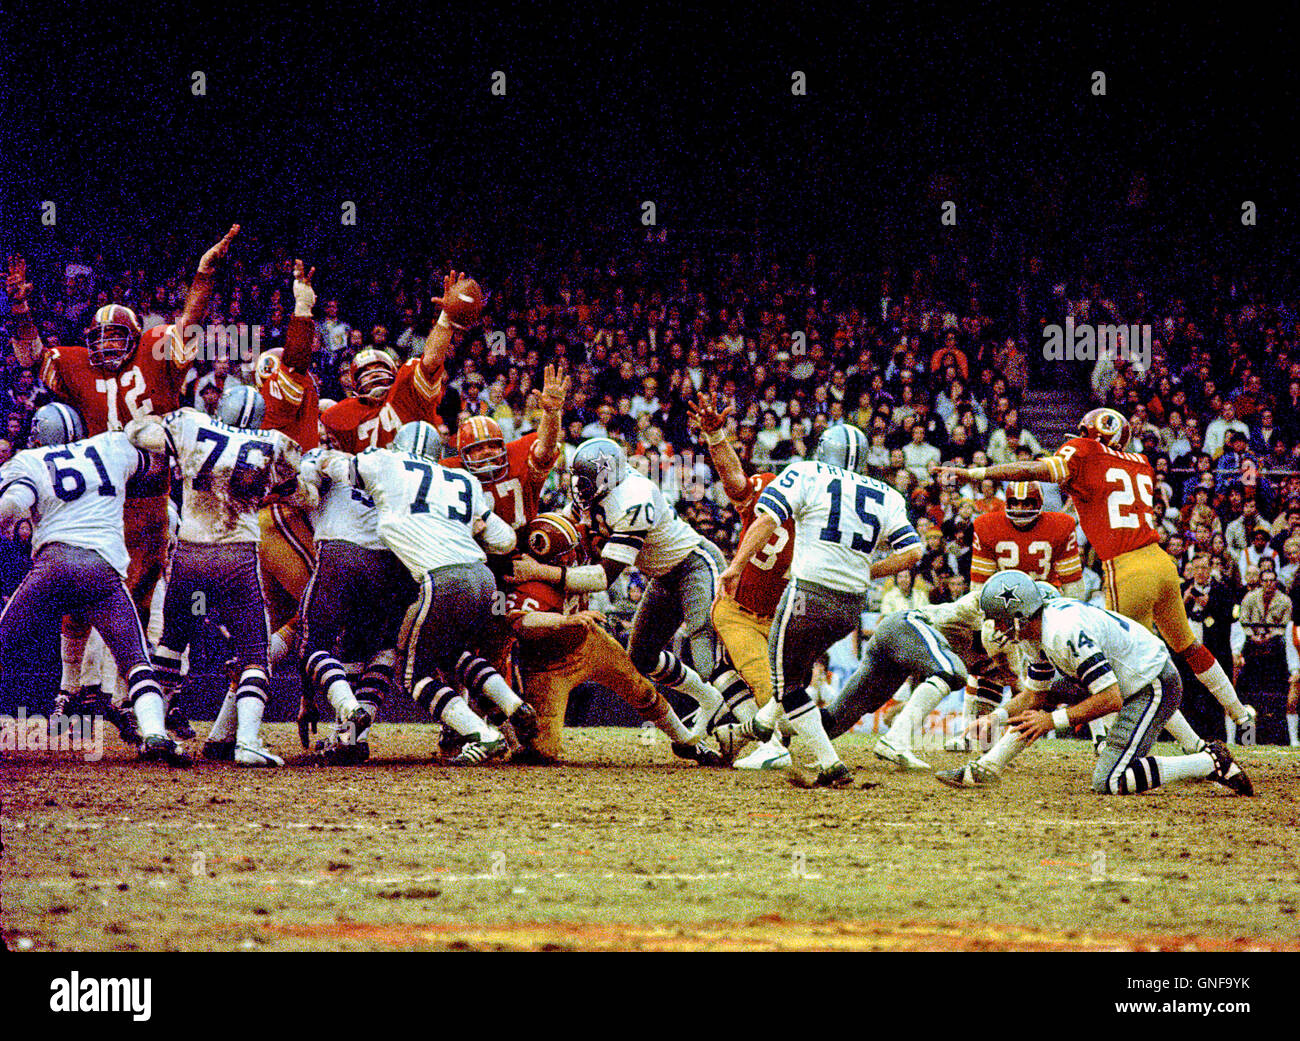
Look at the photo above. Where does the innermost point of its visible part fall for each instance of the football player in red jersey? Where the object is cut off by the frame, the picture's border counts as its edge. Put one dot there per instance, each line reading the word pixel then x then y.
pixel 1025 537
pixel 388 395
pixel 1022 537
pixel 744 621
pixel 121 373
pixel 1111 490
pixel 514 474
pixel 283 374
pixel 562 644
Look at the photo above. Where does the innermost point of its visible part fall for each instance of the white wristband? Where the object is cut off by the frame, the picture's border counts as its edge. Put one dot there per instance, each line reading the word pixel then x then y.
pixel 999 715
pixel 1061 720
pixel 444 321
pixel 715 437
pixel 978 473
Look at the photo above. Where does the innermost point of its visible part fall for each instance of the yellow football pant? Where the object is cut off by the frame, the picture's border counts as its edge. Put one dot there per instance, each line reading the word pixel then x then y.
pixel 1143 584
pixel 744 634
pixel 599 658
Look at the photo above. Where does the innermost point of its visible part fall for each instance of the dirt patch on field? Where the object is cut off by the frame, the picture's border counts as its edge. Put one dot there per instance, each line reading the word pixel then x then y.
pixel 627 848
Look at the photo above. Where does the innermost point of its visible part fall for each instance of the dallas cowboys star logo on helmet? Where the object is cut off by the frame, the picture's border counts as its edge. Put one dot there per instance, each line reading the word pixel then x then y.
pixel 1009 596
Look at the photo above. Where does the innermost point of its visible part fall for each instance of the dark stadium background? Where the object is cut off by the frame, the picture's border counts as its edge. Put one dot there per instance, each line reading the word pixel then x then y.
pixel 307 107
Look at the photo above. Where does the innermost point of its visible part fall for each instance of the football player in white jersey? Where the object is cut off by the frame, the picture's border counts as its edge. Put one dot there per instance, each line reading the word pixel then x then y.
pixel 230 470
pixel 841 518
pixel 358 586
pixel 439 522
pixel 637 528
pixel 1122 668
pixel 74 491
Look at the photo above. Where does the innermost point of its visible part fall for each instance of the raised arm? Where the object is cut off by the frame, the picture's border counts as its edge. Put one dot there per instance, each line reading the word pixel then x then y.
pixel 24 338
pixel 1026 470
pixel 301 329
pixel 196 301
pixel 555 390
pixel 713 425
pixel 437 343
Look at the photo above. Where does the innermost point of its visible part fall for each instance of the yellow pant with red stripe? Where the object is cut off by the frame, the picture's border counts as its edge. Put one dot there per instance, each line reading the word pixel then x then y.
pixel 288 558
pixel 1143 584
pixel 744 635
pixel 599 658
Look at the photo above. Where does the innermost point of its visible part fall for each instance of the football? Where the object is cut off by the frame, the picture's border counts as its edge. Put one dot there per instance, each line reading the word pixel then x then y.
pixel 463 303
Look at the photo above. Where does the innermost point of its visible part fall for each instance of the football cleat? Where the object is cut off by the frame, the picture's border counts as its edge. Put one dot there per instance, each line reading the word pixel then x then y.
pixel 179 724
pixel 159 749
pixel 255 755
pixel 449 743
pixel 524 722
pixel 957 743
pixel 972 775
pixel 732 737
pixel 220 751
pixel 1226 770
pixel 772 754
pixel 900 757
pixel 477 752
pixel 702 754
pixel 837 775
pixel 124 720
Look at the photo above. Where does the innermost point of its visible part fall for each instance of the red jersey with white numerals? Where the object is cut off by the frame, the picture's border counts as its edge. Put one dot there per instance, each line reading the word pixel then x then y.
pixel 293 407
pixel 764 578
pixel 550 647
pixel 516 496
pixel 358 425
pixel 1049 550
pixel 149 384
pixel 1112 492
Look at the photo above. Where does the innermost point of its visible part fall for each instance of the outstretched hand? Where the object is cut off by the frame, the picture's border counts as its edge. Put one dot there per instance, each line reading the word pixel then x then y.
pixel 704 413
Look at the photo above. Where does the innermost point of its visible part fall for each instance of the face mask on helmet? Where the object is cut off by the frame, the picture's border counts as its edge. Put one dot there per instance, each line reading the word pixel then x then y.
pixel 483 449
pixel 373 382
pixel 111 346
pixel 1024 504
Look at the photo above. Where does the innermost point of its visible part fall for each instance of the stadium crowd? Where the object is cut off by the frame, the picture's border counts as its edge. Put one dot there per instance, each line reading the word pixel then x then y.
pixel 931 365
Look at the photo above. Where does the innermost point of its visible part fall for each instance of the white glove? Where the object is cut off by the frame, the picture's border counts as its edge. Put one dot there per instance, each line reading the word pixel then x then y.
pixel 304 299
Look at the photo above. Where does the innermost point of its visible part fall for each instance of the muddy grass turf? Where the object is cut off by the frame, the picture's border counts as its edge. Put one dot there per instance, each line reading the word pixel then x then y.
pixel 625 847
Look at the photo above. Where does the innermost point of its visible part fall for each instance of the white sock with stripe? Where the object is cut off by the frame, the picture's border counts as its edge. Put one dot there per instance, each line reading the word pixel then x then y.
pixel 223 727
pixel 250 704
pixel 1217 683
pixel 1181 731
pixel 1292 725
pixel 1004 749
pixel 909 725
pixel 808 725
pixel 1185 767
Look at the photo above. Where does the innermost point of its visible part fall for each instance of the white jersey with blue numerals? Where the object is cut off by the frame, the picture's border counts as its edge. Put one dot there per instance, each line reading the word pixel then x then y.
pixel 1096 647
pixel 427 512
pixel 345 512
pixel 841 518
pixel 229 472
pixel 641 529
pixel 75 492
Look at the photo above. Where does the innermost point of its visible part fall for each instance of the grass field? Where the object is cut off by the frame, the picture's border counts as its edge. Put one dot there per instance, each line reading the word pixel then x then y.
pixel 627 848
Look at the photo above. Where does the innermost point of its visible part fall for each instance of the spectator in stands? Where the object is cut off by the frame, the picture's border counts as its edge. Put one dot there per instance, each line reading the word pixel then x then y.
pixel 1216 432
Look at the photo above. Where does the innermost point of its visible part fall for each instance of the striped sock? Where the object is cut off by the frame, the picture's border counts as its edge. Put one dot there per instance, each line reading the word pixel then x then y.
pixel 737 698
pixel 250 703
pixel 146 696
pixel 483 681
pixel 1142 775
pixel 328 677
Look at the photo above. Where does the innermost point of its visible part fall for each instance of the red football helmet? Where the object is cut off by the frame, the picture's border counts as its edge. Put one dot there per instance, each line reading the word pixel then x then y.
pixel 268 366
pixel 1107 426
pixel 113 337
pixel 373 373
pixel 551 538
pixel 482 449
pixel 1024 503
